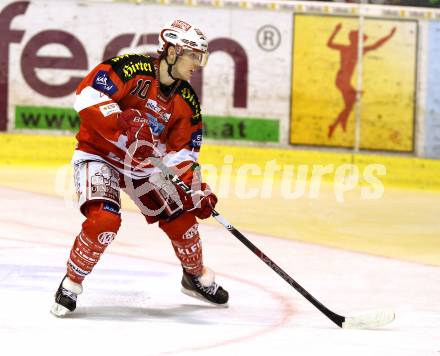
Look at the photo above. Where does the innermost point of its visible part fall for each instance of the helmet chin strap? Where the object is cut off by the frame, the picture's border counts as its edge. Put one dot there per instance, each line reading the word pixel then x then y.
pixel 170 67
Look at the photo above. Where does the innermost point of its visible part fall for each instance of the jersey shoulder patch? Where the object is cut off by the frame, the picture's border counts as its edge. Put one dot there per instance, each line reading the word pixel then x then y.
pixel 188 94
pixel 128 66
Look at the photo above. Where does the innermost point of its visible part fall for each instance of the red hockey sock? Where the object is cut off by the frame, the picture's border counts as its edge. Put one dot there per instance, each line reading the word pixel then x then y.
pixel 184 235
pixel 98 231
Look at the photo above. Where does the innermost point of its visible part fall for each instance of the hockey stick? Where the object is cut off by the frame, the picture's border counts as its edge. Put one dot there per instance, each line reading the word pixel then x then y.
pixel 364 321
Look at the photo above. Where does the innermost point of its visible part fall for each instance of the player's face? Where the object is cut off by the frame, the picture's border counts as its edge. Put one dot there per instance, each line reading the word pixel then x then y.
pixel 188 63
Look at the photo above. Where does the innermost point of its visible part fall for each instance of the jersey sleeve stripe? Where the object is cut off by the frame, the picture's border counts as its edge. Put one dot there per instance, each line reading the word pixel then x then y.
pixel 89 97
pixel 173 159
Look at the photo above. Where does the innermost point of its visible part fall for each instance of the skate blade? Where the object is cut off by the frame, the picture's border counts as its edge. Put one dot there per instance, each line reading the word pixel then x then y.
pixel 196 295
pixel 59 311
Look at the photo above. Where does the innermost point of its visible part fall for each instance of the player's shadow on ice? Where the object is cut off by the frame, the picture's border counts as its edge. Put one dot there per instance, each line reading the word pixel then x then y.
pixel 181 313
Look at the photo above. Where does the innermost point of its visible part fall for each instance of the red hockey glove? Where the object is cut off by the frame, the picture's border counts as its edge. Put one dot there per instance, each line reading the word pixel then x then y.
pixel 200 203
pixel 135 125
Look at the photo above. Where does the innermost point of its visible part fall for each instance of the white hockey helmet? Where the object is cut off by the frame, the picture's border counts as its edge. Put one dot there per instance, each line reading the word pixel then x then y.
pixel 184 37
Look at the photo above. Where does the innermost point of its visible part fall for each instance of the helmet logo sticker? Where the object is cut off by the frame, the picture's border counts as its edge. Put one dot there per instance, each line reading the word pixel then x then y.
pixel 170 35
pixel 181 24
pixel 200 33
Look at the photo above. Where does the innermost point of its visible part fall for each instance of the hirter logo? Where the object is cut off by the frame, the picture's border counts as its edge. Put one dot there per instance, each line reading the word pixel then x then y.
pixel 181 24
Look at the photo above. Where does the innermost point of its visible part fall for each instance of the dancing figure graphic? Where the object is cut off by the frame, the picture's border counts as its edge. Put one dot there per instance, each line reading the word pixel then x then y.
pixel 348 59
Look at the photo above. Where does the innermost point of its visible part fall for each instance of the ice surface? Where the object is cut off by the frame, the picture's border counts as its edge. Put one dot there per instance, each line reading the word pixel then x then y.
pixel 132 304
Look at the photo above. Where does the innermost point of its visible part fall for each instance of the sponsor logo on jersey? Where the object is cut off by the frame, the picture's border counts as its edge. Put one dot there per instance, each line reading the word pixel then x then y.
pixel 131 69
pixel 105 238
pixel 190 97
pixel 103 83
pixel 109 109
pixel 196 139
pixel 153 106
pixel 118 58
pixel 181 24
pixel 155 125
pixel 129 66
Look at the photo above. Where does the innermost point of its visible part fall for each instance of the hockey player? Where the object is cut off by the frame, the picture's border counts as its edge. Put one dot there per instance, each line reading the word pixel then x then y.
pixel 135 106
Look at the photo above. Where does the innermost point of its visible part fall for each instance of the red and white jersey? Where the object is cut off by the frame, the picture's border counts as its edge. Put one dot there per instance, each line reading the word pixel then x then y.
pixel 132 81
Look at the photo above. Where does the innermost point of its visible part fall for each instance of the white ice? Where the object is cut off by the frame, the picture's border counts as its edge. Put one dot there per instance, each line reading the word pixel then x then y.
pixel 132 304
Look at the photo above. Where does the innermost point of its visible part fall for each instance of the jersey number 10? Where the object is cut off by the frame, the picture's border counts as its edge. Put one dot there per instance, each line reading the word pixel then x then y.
pixel 141 89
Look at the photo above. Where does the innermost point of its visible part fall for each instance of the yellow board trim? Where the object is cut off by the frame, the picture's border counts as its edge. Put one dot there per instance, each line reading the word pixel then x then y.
pixel 403 224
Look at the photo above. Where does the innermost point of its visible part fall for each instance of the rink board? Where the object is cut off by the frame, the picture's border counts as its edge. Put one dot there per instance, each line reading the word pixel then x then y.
pixel 403 223
pixel 401 171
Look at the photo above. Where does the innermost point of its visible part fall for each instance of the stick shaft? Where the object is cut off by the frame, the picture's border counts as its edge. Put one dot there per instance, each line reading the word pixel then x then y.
pixel 336 318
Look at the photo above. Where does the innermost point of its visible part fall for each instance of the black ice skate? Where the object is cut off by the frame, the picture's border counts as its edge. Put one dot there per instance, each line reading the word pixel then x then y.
pixel 65 297
pixel 204 287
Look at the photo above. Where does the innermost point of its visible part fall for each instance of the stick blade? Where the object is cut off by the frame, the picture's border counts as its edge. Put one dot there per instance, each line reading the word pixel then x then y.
pixel 370 320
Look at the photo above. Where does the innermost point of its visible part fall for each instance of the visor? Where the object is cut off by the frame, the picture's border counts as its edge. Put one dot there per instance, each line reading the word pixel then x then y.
pixel 201 58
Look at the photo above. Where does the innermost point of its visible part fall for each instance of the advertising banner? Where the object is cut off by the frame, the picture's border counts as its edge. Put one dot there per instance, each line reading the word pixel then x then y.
pixel 324 82
pixel 46 52
pixel 279 72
